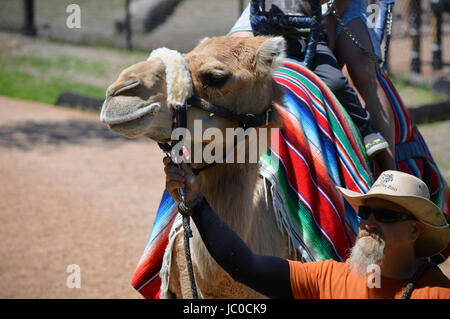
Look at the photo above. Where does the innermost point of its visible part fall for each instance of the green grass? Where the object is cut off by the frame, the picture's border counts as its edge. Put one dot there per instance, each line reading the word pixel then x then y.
pixel 414 94
pixel 59 62
pixel 30 77
pixel 25 86
pixel 435 136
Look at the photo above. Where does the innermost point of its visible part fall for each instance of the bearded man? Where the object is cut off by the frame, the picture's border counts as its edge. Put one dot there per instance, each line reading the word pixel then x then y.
pixel 399 229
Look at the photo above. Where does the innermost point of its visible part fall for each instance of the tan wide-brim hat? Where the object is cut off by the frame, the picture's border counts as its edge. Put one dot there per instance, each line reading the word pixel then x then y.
pixel 412 194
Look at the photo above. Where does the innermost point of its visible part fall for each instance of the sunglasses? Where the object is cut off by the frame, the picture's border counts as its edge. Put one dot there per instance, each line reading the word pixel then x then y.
pixel 383 215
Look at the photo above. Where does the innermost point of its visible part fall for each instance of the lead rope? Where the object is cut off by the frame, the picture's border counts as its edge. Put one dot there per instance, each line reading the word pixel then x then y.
pixel 185 211
pixel 187 250
pixel 388 29
pixel 375 59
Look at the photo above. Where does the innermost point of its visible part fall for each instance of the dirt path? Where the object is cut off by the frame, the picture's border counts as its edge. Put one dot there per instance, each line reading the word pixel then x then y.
pixel 71 192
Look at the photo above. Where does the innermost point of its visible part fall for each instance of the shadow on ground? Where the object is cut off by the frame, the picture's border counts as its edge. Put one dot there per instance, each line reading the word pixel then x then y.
pixel 29 135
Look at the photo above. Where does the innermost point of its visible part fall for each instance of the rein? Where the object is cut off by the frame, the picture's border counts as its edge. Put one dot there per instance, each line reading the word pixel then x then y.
pixel 412 283
pixel 182 207
pixel 372 56
pixel 383 29
pixel 244 121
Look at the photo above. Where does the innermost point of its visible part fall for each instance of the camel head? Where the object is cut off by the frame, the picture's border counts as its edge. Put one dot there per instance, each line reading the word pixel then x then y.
pixel 235 73
pixel 232 72
pixel 136 103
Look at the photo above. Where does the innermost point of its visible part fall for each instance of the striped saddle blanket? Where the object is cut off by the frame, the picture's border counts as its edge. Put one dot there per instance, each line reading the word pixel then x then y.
pixel 317 149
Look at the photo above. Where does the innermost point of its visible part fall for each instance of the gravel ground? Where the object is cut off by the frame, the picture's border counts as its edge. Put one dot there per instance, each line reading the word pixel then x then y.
pixel 72 193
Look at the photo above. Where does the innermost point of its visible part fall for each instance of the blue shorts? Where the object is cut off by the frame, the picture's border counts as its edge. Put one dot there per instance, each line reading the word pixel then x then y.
pixel 358 9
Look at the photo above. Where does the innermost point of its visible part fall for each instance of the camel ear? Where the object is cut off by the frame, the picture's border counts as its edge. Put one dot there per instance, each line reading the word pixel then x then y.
pixel 270 56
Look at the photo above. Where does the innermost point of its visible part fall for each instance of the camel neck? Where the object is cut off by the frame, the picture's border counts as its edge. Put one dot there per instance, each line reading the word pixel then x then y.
pixel 229 188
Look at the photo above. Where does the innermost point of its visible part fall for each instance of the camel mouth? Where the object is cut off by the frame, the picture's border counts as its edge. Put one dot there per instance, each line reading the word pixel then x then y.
pixel 131 119
pixel 141 110
pixel 116 125
pixel 132 128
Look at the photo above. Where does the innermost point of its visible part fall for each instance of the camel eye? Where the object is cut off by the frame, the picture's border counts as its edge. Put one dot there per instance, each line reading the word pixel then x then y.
pixel 215 79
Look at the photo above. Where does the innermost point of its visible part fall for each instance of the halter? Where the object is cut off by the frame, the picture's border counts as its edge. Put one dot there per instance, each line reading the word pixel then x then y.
pixel 243 120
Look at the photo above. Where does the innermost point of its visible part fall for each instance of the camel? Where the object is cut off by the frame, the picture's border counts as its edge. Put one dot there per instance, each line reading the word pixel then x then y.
pixel 234 73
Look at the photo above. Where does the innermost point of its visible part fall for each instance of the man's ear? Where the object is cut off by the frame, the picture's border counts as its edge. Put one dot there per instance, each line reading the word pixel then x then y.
pixel 417 229
pixel 270 56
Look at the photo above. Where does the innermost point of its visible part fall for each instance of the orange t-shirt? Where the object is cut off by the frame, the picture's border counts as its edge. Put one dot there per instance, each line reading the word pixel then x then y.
pixel 333 280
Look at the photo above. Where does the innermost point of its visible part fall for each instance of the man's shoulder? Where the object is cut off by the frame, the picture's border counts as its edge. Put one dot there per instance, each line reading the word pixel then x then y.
pixel 436 277
pixel 433 285
pixel 328 266
pixel 323 268
pixel 328 263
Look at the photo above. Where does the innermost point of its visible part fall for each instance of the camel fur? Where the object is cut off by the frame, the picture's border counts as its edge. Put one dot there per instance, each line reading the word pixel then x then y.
pixel 234 73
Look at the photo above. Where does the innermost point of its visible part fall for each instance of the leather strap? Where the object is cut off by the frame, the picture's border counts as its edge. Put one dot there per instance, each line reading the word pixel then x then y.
pixel 244 120
pixel 412 283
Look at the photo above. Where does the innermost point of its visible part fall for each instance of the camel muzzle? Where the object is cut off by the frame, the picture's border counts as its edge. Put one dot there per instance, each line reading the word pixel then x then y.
pixel 122 109
pixel 133 117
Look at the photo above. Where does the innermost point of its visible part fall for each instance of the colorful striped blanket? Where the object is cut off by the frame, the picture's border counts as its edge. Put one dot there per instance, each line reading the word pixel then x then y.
pixel 318 149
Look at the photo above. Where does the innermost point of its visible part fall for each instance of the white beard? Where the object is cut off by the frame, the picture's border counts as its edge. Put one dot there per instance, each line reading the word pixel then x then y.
pixel 367 251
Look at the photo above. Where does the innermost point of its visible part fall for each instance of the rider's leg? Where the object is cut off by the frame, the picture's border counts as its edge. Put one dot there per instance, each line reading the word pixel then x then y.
pixel 326 67
pixel 363 74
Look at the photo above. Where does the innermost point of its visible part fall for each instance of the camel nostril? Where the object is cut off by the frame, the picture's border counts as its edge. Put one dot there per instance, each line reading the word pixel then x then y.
pixel 127 85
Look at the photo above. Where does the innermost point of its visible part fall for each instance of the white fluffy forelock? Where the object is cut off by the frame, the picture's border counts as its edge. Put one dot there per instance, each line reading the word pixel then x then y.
pixel 178 78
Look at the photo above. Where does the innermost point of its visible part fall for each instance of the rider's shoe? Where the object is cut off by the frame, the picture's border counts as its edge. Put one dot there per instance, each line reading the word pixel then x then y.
pixel 375 143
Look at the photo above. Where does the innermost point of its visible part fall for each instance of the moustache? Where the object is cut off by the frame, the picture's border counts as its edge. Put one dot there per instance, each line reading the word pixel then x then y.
pixel 375 234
